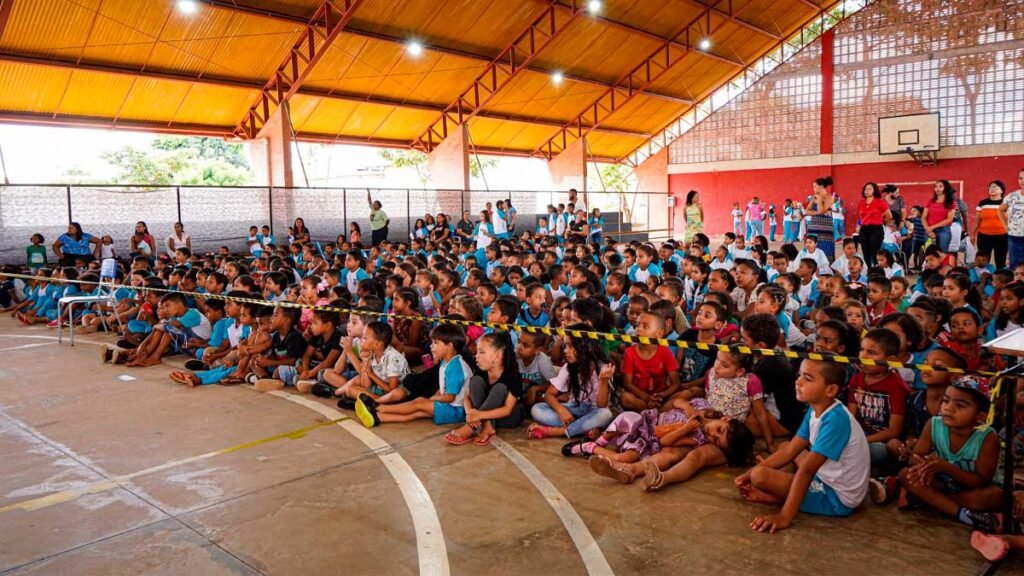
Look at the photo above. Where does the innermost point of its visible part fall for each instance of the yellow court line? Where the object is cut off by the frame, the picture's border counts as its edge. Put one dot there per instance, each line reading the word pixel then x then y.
pixel 118 481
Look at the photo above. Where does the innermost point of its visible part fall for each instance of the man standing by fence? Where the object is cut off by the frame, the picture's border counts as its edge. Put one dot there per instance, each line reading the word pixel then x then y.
pixel 379 221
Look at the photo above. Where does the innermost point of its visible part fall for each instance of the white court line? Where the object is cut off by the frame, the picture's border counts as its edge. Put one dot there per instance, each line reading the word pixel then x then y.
pixel 87 341
pixel 23 346
pixel 430 545
pixel 590 552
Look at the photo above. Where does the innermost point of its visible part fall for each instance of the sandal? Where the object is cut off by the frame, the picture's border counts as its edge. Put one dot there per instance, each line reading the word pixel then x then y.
pixel 455 439
pixel 607 468
pixel 993 548
pixel 654 479
pixel 482 440
pixel 231 381
pixel 181 378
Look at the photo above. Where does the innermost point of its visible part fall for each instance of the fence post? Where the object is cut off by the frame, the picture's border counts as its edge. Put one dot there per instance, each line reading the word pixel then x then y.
pixel 344 212
pixel 177 194
pixel 270 207
pixel 408 214
pixel 70 219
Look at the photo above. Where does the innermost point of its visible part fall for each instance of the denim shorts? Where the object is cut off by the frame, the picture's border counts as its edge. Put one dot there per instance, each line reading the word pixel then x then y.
pixel 445 413
pixel 822 500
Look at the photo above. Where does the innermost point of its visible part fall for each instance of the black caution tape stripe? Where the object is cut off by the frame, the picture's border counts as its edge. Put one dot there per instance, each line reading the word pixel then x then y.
pixel 603 336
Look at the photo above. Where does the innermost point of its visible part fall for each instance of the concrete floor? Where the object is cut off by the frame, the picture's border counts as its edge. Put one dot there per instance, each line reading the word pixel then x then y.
pixel 324 502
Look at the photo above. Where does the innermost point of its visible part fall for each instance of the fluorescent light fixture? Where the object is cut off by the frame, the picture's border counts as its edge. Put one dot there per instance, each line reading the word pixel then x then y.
pixel 705 44
pixel 414 48
pixel 187 6
pixel 594 6
pixel 557 77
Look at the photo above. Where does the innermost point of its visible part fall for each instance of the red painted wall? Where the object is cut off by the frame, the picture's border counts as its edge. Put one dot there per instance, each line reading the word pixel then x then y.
pixel 719 190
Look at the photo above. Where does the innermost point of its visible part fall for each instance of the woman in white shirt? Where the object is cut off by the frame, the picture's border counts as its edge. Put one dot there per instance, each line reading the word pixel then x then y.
pixel 178 239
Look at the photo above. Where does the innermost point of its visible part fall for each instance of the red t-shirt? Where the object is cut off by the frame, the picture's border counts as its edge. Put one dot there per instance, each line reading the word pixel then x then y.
pixel 888 309
pixel 937 211
pixel 879 400
pixel 649 375
pixel 872 214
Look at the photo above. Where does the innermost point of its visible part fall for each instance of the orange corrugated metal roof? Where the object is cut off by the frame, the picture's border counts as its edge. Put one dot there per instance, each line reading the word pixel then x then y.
pixel 146 62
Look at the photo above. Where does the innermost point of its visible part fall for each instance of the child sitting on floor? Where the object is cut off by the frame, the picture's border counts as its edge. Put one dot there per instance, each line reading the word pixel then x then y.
pixel 586 379
pixel 878 396
pixel 171 336
pixel 494 392
pixel 830 452
pixel 956 457
pixel 447 344
pixel 322 351
pixel 650 373
pixel 384 367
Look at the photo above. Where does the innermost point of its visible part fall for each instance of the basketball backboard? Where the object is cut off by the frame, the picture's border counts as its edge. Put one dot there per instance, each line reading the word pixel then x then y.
pixel 914 134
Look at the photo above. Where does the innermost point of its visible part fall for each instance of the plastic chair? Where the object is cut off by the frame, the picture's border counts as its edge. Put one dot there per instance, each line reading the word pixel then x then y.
pixel 108 271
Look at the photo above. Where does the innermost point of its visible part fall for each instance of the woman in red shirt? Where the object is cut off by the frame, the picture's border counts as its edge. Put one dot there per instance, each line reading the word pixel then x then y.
pixel 873 213
pixel 939 214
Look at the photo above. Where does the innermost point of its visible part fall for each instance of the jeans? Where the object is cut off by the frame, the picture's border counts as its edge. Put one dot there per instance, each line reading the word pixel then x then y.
pixel 942 238
pixel 771 233
pixel 998 244
pixel 587 417
pixel 880 458
pixel 1016 251
pixel 754 228
pixel 788 235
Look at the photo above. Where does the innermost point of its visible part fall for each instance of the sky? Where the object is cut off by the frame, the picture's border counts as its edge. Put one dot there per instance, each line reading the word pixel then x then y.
pixel 40 155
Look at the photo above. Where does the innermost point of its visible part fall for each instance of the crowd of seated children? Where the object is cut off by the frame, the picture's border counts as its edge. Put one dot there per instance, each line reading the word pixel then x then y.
pixel 421 329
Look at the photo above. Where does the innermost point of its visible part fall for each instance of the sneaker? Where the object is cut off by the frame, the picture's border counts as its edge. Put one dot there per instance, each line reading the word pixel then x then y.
pixel 883 489
pixel 268 385
pixel 126 344
pixel 366 411
pixel 251 379
pixel 195 365
pixel 52 324
pixel 346 403
pixel 305 386
pixel 321 390
pixel 106 354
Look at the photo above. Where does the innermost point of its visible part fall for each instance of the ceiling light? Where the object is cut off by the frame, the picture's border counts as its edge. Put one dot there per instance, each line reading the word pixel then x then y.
pixel 414 48
pixel 705 44
pixel 187 6
pixel 594 6
pixel 557 77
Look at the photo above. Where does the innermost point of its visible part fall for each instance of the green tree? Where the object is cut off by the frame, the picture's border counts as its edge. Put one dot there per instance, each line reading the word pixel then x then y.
pixel 619 178
pixel 208 148
pixel 400 158
pixel 181 161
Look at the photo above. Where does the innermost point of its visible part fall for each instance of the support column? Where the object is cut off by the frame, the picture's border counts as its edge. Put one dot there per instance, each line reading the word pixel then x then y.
pixel 827 87
pixel 652 178
pixel 448 167
pixel 270 154
pixel 569 169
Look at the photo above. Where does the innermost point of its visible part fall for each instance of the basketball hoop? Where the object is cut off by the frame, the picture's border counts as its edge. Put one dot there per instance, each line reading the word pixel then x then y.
pixel 924 157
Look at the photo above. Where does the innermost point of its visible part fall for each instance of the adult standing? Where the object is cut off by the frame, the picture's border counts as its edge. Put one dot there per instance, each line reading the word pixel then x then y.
pixel 897 205
pixel 142 243
pixel 990 232
pixel 300 234
pixel 819 212
pixel 873 213
pixel 379 221
pixel 76 245
pixel 178 239
pixel 513 216
pixel 1013 213
pixel 442 229
pixel 575 201
pixel 755 218
pixel 939 213
pixel 579 229
pixel 694 213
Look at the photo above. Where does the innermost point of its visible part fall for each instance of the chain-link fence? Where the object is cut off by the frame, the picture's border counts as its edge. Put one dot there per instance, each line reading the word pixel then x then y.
pixel 216 217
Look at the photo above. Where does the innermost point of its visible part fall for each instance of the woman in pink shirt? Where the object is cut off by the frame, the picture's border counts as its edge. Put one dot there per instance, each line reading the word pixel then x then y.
pixel 939 214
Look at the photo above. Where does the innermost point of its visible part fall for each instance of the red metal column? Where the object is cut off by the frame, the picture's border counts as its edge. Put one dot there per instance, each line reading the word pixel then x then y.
pixel 827 88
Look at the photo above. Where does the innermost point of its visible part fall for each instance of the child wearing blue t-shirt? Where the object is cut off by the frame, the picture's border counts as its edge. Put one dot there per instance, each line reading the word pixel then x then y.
pixel 832 475
pixel 447 343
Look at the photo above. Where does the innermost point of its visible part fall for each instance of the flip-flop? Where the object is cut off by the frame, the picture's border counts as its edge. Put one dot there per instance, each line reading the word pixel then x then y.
pixel 654 479
pixel 606 468
pixel 993 548
pixel 181 378
pixel 482 440
pixel 456 440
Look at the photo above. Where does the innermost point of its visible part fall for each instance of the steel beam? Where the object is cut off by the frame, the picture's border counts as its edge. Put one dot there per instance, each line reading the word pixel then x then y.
pixel 632 84
pixel 355 30
pixel 325 25
pixel 731 17
pixel 499 73
pixel 5 14
pixel 104 123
